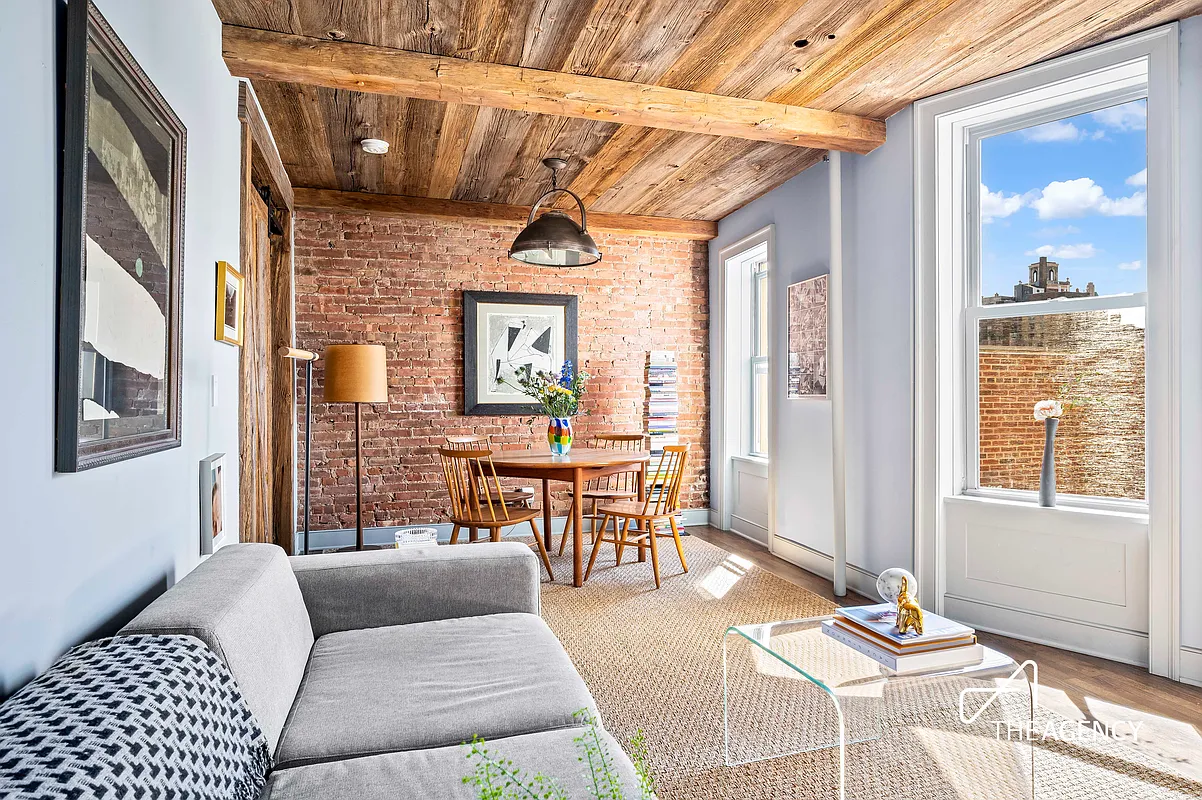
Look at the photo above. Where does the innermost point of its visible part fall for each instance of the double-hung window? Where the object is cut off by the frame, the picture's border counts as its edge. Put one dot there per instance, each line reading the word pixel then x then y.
pixel 1055 297
pixel 758 366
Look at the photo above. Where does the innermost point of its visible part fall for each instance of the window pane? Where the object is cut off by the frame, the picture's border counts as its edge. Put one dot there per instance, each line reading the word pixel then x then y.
pixel 761 313
pixel 759 400
pixel 1093 362
pixel 1063 208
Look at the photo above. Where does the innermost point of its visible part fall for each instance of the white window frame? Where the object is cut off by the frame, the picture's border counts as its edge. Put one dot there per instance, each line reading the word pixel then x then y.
pixel 729 396
pixel 1144 64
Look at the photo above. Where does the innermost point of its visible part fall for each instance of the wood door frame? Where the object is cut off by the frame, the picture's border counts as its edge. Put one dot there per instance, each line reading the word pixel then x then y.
pixel 263 177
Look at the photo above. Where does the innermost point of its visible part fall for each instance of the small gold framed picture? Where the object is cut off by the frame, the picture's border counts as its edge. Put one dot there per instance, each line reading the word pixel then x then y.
pixel 230 304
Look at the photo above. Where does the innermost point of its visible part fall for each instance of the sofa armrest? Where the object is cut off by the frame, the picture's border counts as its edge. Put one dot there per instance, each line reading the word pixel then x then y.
pixel 350 591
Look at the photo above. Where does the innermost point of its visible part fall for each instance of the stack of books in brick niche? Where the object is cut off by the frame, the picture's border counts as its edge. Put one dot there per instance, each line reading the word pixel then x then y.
pixel 900 636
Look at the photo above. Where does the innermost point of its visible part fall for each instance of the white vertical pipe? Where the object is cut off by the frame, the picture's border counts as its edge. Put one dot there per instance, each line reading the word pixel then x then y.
pixel 834 373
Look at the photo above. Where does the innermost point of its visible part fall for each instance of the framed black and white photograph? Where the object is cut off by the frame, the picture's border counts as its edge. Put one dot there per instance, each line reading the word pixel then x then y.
pixel 212 501
pixel 121 270
pixel 505 332
pixel 807 333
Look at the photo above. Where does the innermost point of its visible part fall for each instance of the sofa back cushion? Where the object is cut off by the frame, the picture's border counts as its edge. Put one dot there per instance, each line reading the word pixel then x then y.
pixel 244 603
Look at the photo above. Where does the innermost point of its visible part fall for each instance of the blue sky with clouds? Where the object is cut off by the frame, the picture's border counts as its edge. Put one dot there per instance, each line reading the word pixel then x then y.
pixel 1073 190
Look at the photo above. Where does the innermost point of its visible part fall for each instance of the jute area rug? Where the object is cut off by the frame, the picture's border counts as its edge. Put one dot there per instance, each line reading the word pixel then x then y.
pixel 653 660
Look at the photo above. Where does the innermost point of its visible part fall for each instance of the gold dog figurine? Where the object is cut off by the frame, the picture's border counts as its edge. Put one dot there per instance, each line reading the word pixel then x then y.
pixel 909 615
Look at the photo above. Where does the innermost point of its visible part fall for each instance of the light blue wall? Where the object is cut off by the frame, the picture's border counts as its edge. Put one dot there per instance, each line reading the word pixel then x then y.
pixel 801 444
pixel 877 223
pixel 1190 67
pixel 80 552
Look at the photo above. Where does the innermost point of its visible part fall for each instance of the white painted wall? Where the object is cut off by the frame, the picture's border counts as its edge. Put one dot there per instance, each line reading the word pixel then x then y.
pixel 79 553
pixel 1190 164
pixel 801 444
pixel 877 223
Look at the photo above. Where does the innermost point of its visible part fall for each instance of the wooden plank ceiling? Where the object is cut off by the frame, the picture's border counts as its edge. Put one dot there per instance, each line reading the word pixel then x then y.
pixel 867 58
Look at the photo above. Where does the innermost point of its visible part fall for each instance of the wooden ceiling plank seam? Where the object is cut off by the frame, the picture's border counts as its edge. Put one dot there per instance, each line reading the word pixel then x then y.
pixel 457 124
pixel 366 68
pixel 367 203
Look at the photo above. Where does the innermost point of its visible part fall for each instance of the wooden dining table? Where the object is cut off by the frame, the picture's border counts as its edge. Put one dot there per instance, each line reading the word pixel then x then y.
pixel 577 467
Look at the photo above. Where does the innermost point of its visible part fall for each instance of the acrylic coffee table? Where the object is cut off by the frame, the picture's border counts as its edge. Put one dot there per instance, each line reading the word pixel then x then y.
pixel 788 689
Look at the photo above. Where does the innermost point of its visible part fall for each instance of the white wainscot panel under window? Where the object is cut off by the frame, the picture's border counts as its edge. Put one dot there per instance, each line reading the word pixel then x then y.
pixel 1069 577
pixel 749 495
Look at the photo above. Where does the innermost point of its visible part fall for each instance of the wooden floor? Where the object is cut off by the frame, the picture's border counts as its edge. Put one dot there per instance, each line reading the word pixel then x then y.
pixel 1072 681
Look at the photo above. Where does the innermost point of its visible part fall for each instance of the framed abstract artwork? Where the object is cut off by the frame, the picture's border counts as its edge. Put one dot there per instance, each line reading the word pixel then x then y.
pixel 807 338
pixel 121 268
pixel 212 501
pixel 504 332
pixel 230 308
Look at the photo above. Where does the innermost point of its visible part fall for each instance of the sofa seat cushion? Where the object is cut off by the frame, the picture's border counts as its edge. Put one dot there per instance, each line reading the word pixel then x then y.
pixel 430 684
pixel 439 772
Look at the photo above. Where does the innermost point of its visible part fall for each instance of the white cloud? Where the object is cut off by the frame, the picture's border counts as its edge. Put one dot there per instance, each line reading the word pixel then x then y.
pixel 1059 131
pixel 1139 179
pixel 1079 197
pixel 996 205
pixel 1131 116
pixel 1056 231
pixel 1065 251
pixel 1130 265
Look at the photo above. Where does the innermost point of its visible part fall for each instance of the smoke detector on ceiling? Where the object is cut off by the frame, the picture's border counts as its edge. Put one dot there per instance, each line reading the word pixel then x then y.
pixel 377 147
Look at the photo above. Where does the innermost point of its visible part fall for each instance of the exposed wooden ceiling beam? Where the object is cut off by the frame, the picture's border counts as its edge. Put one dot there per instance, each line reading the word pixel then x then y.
pixel 267 55
pixel 366 203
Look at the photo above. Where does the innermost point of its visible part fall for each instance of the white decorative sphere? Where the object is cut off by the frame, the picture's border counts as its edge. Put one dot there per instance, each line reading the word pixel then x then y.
pixel 889 584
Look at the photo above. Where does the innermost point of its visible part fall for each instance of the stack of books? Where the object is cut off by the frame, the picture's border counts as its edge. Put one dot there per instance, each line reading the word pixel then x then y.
pixel 872 630
pixel 663 405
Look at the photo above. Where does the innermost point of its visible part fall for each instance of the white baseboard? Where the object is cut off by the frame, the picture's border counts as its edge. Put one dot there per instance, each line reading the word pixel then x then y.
pixel 345 537
pixel 1115 644
pixel 823 565
pixel 1191 665
pixel 749 530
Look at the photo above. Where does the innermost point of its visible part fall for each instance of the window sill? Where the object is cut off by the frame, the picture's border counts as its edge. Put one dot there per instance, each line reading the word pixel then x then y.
pixel 759 460
pixel 1128 510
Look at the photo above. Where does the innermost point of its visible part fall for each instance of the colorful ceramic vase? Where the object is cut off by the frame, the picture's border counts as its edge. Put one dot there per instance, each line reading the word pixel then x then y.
pixel 559 435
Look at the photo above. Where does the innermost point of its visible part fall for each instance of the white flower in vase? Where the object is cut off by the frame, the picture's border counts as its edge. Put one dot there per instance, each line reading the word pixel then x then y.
pixel 1048 409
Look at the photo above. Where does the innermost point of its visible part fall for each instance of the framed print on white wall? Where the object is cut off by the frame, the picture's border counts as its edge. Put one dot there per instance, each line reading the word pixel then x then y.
pixel 807 339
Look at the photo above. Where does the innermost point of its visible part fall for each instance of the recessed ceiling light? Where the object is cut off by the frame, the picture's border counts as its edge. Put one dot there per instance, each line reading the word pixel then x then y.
pixel 377 147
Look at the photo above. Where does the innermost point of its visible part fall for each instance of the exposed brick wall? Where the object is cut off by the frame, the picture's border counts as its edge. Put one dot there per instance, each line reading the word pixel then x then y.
pixel 398 281
pixel 1100 442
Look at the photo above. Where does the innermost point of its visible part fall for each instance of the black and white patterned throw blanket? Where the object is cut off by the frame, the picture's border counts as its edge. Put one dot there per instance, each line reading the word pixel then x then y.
pixel 132 717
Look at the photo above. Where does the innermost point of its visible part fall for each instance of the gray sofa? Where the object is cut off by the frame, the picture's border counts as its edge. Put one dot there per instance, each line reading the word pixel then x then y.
pixel 366 671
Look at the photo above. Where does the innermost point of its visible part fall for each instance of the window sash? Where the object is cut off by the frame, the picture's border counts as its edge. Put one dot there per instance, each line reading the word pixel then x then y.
pixel 759 366
pixel 974 311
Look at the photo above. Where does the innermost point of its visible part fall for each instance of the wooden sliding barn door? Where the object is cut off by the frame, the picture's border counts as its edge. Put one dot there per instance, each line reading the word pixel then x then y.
pixel 254 426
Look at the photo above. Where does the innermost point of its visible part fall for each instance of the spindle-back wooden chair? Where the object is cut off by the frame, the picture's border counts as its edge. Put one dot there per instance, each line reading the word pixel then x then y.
pixel 476 498
pixel 608 488
pixel 662 504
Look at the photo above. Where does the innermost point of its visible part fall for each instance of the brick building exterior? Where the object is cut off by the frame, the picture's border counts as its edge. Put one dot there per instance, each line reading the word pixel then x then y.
pixel 398 281
pixel 1099 357
pixel 1044 283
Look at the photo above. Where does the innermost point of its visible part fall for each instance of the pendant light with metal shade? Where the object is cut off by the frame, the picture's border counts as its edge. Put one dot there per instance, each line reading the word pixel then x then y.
pixel 554 239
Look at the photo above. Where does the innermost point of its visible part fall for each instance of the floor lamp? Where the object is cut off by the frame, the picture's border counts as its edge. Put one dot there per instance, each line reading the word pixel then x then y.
pixel 356 373
pixel 308 358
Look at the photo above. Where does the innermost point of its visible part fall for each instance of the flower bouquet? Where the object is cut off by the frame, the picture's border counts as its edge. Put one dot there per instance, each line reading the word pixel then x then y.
pixel 559 395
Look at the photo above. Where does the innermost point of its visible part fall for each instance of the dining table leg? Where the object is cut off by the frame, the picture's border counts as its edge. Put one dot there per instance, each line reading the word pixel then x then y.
pixel 547 513
pixel 577 528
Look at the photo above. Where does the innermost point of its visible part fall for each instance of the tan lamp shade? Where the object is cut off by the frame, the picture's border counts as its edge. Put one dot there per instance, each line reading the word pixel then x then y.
pixel 356 373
